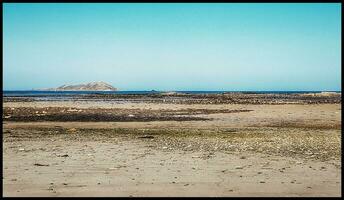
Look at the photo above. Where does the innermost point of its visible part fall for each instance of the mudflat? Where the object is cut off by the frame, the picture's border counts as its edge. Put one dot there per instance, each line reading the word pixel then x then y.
pixel 173 145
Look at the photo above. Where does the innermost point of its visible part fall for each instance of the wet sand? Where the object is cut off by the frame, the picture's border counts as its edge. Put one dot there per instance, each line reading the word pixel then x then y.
pixel 289 149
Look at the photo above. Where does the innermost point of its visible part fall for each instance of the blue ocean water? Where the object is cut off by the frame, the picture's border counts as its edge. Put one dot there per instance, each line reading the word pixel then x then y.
pixel 23 93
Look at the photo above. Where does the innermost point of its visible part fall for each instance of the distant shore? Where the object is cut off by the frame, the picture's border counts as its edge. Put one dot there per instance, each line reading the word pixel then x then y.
pixel 183 97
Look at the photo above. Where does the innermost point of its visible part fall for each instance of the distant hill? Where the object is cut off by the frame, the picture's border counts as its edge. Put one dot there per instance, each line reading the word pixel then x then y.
pixel 93 86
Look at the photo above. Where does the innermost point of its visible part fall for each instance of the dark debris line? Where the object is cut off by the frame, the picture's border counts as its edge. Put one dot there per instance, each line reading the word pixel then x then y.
pixel 62 114
pixel 184 98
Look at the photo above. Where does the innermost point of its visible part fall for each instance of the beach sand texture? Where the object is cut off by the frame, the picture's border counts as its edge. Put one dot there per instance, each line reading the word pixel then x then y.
pixel 143 148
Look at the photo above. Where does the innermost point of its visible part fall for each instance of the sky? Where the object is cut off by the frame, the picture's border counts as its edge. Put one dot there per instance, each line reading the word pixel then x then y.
pixel 230 46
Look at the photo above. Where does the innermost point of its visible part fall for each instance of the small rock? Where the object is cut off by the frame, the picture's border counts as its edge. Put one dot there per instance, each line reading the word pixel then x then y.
pixel 261 181
pixel 38 164
pixel 72 130
pixel 21 149
pixel 239 167
pixel 146 136
pixel 242 157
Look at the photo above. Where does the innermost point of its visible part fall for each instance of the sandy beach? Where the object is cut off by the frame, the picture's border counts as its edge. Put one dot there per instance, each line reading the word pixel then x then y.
pixel 172 100
pixel 140 147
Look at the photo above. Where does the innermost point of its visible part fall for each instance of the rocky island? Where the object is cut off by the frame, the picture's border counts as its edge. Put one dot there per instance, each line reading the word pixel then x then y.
pixel 93 86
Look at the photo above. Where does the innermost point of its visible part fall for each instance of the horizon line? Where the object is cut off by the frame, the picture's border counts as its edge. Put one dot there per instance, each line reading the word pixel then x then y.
pixel 6 90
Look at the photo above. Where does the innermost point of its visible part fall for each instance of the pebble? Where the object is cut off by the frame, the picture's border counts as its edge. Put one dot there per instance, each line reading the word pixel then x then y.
pixel 38 164
pixel 72 130
pixel 239 167
pixel 146 136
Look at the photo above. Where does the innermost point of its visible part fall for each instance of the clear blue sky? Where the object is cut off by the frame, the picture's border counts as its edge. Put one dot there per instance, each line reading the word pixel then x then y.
pixel 173 46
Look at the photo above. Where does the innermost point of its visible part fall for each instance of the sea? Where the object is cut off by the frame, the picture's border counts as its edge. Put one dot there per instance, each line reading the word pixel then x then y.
pixel 33 93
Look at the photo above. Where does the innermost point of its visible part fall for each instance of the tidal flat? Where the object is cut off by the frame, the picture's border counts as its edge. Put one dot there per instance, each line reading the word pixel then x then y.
pixel 173 144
